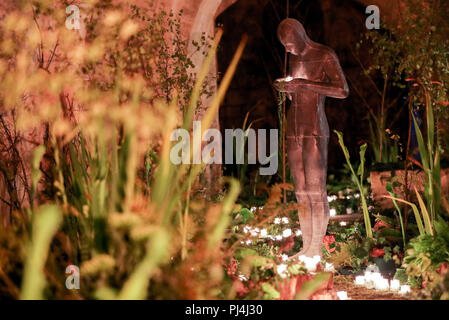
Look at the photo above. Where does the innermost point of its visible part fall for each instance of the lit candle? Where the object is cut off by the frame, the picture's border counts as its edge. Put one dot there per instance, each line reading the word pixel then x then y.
pixel 395 285
pixel 342 295
pixel 360 280
pixel 404 289
pixel 381 284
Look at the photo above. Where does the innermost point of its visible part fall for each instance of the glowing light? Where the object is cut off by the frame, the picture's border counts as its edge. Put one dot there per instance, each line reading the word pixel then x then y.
pixel 287 233
pixel 381 284
pixel 395 285
pixel 342 295
pixel 310 263
pixel 360 280
pixel 288 79
pixel 405 289
pixel 329 267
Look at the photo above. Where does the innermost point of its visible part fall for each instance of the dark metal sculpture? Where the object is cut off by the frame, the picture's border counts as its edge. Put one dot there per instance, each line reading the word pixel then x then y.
pixel 314 73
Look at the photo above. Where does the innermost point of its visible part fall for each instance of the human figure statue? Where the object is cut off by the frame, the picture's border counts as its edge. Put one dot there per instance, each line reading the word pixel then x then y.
pixel 314 73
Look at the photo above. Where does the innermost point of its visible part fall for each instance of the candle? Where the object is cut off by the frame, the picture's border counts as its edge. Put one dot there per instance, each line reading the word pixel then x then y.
pixel 342 295
pixel 404 289
pixel 381 284
pixel 360 280
pixel 395 285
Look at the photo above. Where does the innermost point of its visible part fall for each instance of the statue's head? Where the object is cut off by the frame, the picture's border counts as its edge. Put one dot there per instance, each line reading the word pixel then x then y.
pixel 292 35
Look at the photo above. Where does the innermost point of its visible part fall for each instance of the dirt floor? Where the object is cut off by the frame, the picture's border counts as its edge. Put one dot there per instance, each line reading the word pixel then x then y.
pixel 355 292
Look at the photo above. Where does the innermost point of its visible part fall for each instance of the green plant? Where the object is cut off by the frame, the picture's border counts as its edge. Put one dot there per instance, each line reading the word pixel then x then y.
pixel 358 178
pixel 122 230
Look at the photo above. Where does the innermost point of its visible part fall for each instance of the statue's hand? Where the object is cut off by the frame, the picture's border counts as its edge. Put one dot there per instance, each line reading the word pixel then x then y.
pixel 284 85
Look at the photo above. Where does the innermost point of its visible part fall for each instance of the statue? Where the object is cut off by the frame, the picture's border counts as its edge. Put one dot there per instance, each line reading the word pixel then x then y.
pixel 314 73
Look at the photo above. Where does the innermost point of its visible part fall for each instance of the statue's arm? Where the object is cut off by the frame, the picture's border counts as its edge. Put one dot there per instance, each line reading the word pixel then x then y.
pixel 336 85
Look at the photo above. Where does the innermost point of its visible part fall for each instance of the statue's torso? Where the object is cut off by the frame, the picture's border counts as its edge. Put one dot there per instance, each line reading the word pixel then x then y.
pixel 306 116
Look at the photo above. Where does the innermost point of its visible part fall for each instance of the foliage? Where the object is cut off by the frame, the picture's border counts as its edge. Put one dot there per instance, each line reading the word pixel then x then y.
pixel 103 116
pixel 358 178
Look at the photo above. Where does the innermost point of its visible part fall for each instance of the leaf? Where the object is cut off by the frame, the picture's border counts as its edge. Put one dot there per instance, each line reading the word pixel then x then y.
pixel 310 287
pixel 246 215
pixel 45 224
pixel 270 292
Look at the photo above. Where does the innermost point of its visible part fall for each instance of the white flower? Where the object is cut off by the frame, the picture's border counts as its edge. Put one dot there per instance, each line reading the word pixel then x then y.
pixel 329 267
pixel 282 270
pixel 263 233
pixel 284 257
pixel 284 220
pixel 287 233
pixel 277 221
pixel 246 229
pixel 343 223
pixel 348 210
pixel 333 212
pixel 298 233
pixel 278 238
pixel 248 242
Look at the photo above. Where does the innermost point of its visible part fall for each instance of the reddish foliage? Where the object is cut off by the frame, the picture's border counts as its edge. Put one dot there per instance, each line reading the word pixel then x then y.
pixel 288 288
pixel 377 253
pixel 327 241
pixel 381 224
pixel 444 268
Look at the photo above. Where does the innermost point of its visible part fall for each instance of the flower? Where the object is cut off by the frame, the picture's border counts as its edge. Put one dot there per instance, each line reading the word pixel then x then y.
pixel 377 253
pixel 287 233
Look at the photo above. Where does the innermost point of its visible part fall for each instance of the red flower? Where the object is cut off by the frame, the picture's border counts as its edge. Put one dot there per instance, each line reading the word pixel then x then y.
pixel 327 241
pixel 377 253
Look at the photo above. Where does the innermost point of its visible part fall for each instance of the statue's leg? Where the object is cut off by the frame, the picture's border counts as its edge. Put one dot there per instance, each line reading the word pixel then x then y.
pixel 315 176
pixel 295 158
